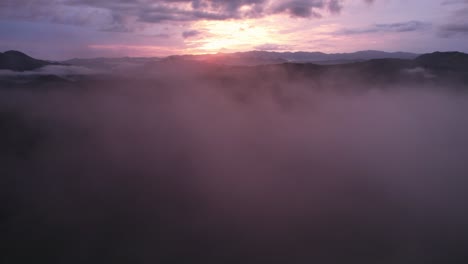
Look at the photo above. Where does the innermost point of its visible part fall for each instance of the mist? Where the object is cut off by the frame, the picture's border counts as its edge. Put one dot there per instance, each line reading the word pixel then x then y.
pixel 256 165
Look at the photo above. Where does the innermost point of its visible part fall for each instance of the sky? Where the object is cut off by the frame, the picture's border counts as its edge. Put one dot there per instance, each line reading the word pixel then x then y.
pixel 65 29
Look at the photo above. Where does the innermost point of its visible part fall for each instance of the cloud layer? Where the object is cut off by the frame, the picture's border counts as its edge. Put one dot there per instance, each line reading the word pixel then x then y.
pixel 121 14
pixel 255 166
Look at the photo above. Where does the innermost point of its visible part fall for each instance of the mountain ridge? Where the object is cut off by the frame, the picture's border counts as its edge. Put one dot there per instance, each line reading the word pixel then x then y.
pixel 18 61
pixel 257 57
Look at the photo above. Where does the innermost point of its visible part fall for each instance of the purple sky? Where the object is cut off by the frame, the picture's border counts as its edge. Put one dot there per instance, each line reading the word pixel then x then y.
pixel 62 29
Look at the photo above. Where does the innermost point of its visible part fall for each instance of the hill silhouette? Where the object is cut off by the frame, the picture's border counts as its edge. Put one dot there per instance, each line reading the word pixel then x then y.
pixel 444 61
pixel 18 61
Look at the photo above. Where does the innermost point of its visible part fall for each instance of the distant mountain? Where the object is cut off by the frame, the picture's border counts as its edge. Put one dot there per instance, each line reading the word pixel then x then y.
pixel 111 63
pixel 442 68
pixel 251 58
pixel 365 67
pixel 18 61
pixel 324 57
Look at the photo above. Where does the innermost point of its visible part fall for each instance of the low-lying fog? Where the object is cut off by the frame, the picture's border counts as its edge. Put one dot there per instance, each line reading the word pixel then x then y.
pixel 190 170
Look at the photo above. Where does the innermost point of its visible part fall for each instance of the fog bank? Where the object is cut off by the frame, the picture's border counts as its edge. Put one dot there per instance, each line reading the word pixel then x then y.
pixel 196 169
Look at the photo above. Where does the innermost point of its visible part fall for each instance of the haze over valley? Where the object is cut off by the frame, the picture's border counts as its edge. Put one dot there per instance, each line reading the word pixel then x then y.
pixel 206 148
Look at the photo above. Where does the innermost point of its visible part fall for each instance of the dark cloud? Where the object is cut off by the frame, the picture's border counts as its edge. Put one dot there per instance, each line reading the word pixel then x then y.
pixel 173 10
pixel 308 8
pixel 335 6
pixel 461 13
pixel 454 2
pixel 402 27
pixel 457 24
pixel 190 33
pixel 178 10
pixel 162 35
pixel 450 30
pixel 61 12
pixel 300 8
pixel 122 15
pixel 393 27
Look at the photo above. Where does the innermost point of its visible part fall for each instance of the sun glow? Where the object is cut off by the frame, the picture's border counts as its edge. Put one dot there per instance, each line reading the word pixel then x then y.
pixel 229 36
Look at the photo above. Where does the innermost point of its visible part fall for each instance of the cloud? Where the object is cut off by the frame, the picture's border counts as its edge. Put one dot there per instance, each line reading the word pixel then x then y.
pixel 300 8
pixel 270 46
pixel 393 27
pixel 308 8
pixel 190 10
pixel 61 12
pixel 190 33
pixel 450 30
pixel 126 15
pixel 58 70
pixel 454 2
pixel 419 71
pixel 457 24
pixel 234 167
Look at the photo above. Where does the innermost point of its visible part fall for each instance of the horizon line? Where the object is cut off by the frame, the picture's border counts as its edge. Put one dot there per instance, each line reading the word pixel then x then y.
pixel 236 52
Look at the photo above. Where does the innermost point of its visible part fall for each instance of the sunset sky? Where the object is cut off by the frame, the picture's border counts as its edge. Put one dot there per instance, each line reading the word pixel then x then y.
pixel 63 29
